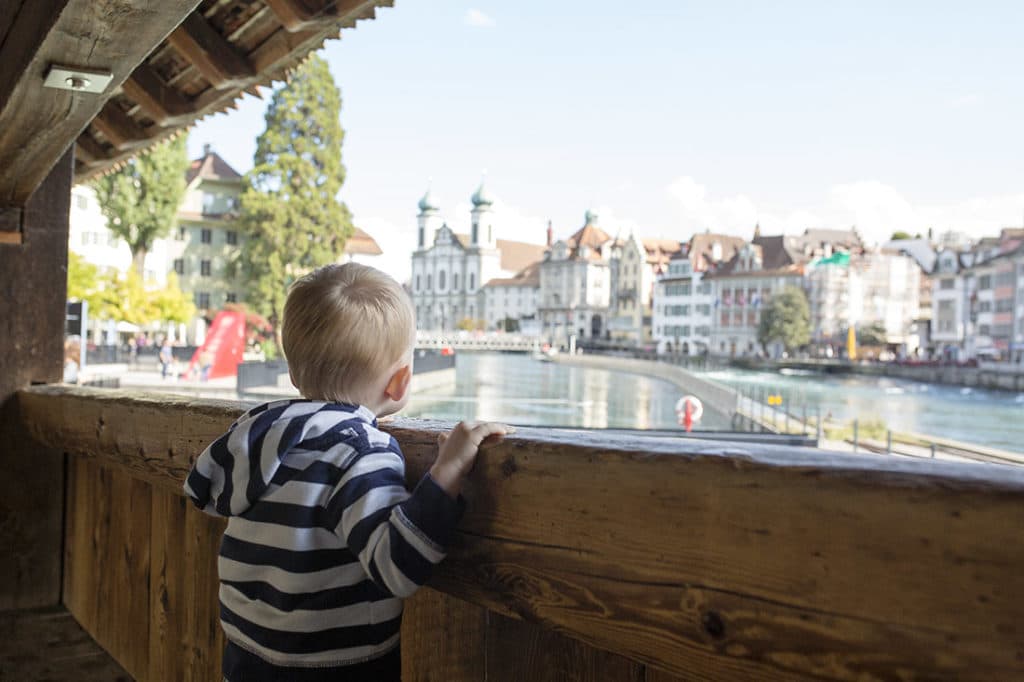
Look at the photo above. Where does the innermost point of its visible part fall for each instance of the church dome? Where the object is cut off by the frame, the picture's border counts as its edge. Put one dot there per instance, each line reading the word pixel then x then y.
pixel 428 203
pixel 482 197
pixel 590 217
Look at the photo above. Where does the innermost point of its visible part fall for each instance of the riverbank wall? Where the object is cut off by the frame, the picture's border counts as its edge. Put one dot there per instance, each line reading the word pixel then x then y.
pixel 715 396
pixel 993 376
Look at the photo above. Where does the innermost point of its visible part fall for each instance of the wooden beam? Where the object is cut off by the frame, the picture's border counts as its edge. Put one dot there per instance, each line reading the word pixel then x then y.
pixel 206 49
pixel 301 15
pixel 707 560
pixel 37 124
pixel 164 104
pixel 119 128
pixel 87 149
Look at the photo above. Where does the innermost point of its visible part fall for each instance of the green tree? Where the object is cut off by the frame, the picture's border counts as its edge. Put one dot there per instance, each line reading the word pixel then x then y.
pixel 170 304
pixel 289 209
pixel 786 320
pixel 83 280
pixel 900 235
pixel 872 335
pixel 140 201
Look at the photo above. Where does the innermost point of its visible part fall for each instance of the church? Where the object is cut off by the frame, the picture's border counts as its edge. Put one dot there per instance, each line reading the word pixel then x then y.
pixel 450 270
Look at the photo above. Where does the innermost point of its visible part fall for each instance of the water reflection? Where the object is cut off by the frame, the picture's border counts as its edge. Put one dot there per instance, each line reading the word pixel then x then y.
pixel 518 389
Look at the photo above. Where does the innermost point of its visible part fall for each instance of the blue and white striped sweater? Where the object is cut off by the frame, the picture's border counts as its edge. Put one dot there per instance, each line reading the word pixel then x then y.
pixel 323 540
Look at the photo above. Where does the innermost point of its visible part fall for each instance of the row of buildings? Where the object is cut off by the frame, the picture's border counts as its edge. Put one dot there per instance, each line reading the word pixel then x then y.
pixel 199 250
pixel 978 299
pixel 702 295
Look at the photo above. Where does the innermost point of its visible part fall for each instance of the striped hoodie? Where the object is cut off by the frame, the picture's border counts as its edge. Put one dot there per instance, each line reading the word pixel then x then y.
pixel 323 540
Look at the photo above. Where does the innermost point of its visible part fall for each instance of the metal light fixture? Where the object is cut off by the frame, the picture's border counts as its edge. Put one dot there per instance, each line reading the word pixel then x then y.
pixel 77 80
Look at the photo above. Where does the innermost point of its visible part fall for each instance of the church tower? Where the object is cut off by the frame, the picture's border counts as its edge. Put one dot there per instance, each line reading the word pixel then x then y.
pixel 429 220
pixel 483 233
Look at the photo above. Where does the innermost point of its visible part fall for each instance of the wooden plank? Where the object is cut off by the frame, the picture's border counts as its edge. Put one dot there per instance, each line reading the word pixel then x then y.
pixel 31 349
pixel 517 650
pixel 443 638
pixel 207 50
pixel 13 238
pixel 47 644
pixel 118 127
pixel 699 558
pixel 163 103
pixel 655 675
pixel 88 530
pixel 204 639
pixel 167 593
pixel 298 15
pixel 38 124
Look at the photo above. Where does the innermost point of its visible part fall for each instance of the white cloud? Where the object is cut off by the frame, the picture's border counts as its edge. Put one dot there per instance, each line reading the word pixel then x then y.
pixel 475 17
pixel 874 208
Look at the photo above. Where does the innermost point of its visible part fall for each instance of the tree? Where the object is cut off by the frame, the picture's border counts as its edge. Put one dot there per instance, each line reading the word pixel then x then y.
pixel 170 304
pixel 83 280
pixel 872 335
pixel 289 209
pixel 140 201
pixel 786 320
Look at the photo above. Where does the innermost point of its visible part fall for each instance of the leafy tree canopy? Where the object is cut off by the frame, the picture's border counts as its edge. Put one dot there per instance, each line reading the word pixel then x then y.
pixel 289 208
pixel 786 320
pixel 140 201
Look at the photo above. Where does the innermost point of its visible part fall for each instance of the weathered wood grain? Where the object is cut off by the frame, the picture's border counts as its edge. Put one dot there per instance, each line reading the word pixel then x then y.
pixel 167 589
pixel 701 559
pixel 37 124
pixel 31 350
pixel 443 638
pixel 204 639
pixel 107 561
pixel 517 650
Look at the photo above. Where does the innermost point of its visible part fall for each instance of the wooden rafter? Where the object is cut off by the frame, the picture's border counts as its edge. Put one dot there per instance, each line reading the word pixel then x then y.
pixel 301 15
pixel 210 53
pixel 38 124
pixel 164 104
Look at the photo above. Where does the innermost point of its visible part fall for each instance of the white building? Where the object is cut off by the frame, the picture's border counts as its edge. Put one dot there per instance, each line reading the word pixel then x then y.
pixel 510 303
pixel 576 284
pixel 683 300
pixel 449 270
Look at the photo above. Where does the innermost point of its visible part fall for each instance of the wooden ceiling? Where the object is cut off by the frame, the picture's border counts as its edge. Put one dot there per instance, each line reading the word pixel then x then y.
pixel 173 62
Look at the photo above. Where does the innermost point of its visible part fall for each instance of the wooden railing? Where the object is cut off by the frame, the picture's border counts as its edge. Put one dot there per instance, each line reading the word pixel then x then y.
pixel 584 556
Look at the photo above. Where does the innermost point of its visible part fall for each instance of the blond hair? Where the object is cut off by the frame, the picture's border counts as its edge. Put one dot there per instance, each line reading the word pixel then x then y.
pixel 344 326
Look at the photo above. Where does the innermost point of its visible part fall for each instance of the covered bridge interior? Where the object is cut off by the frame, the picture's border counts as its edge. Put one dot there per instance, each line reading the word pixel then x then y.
pixel 581 557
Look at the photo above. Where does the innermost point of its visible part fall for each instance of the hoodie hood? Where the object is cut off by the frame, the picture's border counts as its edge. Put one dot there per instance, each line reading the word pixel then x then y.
pixel 237 469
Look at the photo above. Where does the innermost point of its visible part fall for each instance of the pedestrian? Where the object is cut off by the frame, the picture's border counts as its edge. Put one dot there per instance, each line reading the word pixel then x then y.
pixel 166 358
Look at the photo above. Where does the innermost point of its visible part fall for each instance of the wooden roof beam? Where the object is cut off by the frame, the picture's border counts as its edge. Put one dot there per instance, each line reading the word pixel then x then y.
pixel 38 124
pixel 163 104
pixel 119 128
pixel 212 54
pixel 88 150
pixel 297 15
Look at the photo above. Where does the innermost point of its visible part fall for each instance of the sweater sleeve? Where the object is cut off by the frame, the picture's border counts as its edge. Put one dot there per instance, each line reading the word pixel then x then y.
pixel 398 537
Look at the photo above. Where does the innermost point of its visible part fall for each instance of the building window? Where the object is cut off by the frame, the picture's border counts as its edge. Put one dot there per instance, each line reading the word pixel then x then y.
pixel 984 329
pixel 204 268
pixel 476 231
pixel 179 266
pixel 209 201
pixel 947 283
pixel 231 237
pixel 421 235
pixel 455 281
pixel 985 282
pixel 440 280
pixel 206 236
pixel 231 297
pixel 82 201
pixel 417 282
pixel 202 300
pixel 472 281
pixel 428 282
pixel 181 234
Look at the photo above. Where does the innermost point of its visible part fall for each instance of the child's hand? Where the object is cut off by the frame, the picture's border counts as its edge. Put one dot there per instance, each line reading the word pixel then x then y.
pixel 458 451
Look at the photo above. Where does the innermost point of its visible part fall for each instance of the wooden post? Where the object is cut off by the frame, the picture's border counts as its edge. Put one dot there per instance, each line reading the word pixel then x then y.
pixel 32 351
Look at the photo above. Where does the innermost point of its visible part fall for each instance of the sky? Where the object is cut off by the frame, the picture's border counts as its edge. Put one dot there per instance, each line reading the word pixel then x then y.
pixel 670 116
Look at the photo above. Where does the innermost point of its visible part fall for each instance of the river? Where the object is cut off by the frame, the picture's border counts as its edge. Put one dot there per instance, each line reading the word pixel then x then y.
pixel 992 418
pixel 518 389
